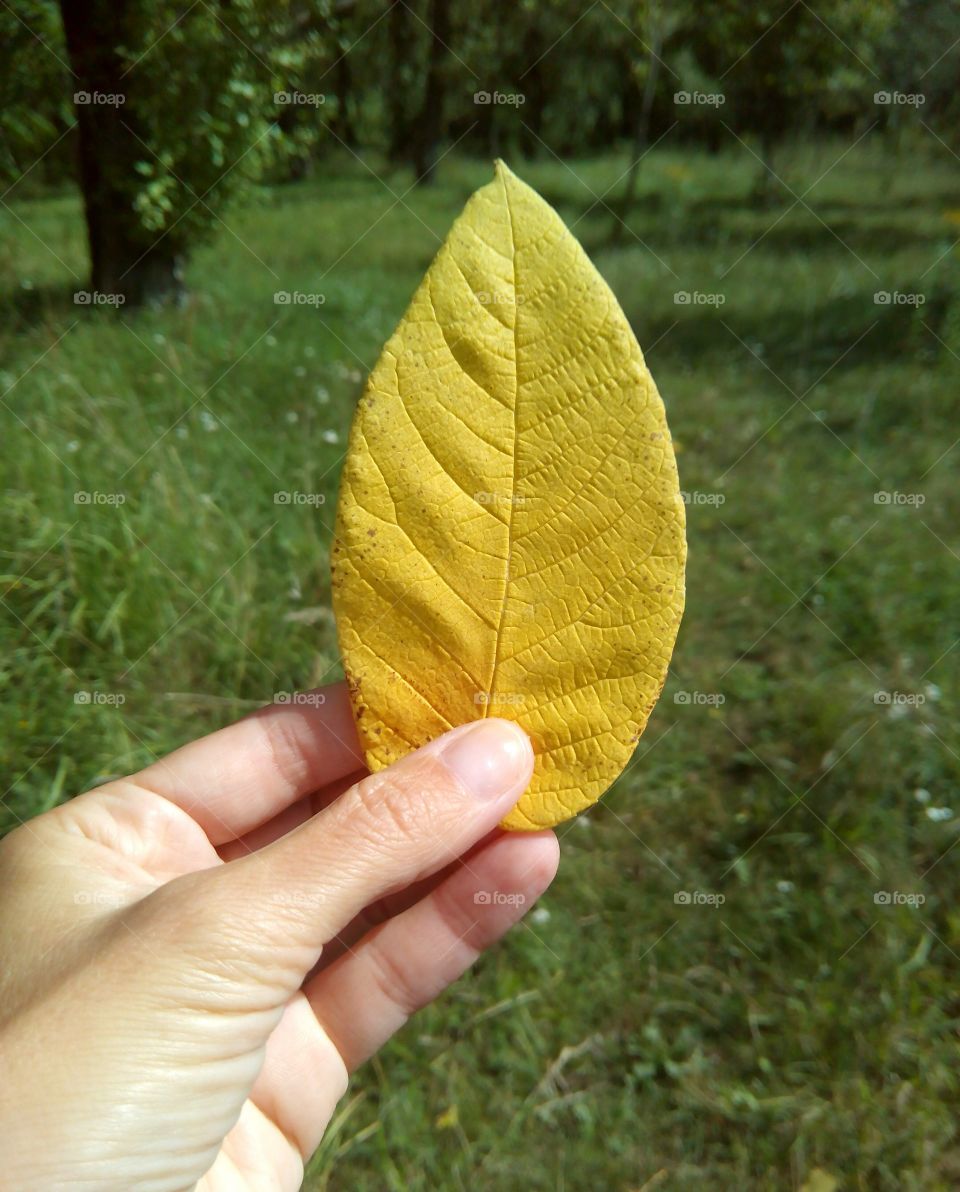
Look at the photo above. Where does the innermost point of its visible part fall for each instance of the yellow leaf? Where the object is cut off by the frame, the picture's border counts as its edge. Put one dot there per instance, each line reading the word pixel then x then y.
pixel 510 532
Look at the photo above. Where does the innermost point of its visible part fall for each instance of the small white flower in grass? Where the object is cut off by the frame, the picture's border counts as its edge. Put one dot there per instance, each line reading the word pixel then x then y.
pixel 323 394
pixel 330 436
pixel 299 371
pixel 182 432
pixel 208 422
pixel 309 351
pixel 270 341
pixel 922 795
pixel 292 416
pixel 583 821
pixel 539 915
pixel 939 814
pixel 26 284
pixel 785 887
pixel 159 338
pixel 73 445
pixel 932 692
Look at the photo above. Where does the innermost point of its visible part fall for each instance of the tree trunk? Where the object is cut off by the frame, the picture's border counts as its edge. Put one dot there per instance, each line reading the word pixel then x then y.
pixel 642 135
pixel 345 126
pixel 399 57
pixel 429 129
pixel 125 258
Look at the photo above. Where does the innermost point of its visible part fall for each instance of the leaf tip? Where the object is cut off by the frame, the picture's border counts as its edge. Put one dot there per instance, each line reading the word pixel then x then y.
pixel 502 171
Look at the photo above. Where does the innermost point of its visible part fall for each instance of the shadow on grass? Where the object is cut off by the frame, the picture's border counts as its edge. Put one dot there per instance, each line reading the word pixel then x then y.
pixel 842 333
pixel 23 309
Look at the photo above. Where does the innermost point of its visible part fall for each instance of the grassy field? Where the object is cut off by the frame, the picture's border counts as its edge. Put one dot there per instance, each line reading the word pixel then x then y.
pixel 804 757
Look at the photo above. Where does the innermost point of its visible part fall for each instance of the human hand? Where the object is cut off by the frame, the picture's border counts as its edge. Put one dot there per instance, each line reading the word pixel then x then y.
pixel 165 1014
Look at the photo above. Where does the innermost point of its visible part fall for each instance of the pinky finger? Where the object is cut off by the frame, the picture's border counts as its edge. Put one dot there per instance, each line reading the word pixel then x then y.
pixel 367 994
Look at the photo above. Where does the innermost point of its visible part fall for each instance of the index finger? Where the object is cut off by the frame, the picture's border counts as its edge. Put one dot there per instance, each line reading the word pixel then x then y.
pixel 237 778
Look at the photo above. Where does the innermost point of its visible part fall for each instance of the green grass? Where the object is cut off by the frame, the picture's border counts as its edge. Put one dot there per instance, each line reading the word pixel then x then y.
pixel 619 1040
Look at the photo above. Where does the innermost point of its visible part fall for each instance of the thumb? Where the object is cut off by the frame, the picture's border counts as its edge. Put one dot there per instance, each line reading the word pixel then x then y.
pixel 282 904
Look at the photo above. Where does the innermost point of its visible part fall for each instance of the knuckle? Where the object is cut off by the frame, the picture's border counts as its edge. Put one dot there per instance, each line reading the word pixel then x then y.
pixel 393 979
pixel 398 806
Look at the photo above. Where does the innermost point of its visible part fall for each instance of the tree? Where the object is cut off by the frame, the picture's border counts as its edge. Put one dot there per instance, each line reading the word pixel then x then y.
pixel 783 70
pixel 429 125
pixel 175 109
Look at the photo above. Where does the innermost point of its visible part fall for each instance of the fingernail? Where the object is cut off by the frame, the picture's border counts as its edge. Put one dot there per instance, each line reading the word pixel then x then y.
pixel 490 758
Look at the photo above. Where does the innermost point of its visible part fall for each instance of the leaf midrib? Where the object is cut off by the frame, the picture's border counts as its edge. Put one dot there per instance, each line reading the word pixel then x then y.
pixel 491 690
